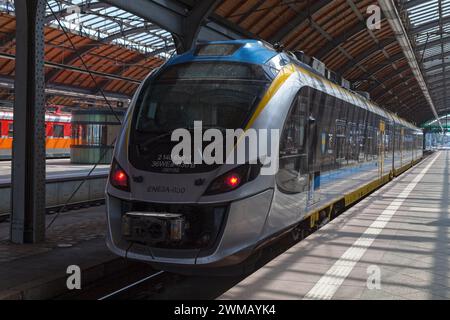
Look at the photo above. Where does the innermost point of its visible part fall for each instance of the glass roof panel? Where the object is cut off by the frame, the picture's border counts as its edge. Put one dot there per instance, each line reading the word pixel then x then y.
pixel 107 23
pixel 430 30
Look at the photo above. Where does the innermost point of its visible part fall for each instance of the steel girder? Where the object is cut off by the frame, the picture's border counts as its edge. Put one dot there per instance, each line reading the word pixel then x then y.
pixel 184 23
pixel 28 164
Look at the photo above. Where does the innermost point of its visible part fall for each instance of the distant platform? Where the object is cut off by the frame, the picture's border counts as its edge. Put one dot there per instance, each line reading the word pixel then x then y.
pixel 395 244
pixel 55 168
pixel 63 178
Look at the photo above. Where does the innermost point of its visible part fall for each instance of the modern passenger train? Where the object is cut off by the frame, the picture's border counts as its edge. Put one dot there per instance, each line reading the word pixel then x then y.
pixel 58 132
pixel 335 147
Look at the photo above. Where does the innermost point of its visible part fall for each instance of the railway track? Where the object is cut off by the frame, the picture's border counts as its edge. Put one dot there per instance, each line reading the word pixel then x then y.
pixel 141 282
pixel 70 207
pixel 135 286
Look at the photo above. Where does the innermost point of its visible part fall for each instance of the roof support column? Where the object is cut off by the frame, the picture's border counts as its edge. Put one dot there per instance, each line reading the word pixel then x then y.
pixel 28 165
pixel 193 23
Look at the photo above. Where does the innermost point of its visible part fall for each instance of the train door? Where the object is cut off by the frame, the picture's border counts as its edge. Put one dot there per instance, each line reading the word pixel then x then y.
pixel 381 148
pixel 315 126
pixel 313 170
pixel 293 174
pixel 402 141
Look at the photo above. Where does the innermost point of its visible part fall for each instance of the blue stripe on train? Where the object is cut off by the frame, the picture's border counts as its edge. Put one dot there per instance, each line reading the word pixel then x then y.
pixel 331 176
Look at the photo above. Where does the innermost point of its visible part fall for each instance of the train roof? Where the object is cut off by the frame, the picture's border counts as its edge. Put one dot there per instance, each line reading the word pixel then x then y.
pixel 259 52
pixel 354 98
pixel 246 51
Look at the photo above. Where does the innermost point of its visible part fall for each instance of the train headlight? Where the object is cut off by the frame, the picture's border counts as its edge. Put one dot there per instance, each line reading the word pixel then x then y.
pixel 119 178
pixel 234 179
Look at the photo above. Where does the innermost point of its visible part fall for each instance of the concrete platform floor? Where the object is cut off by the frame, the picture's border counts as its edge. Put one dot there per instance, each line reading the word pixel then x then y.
pixel 392 245
pixel 36 271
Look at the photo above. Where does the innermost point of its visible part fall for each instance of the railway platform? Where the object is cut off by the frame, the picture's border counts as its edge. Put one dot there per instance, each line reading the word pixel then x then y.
pixel 392 245
pixel 39 271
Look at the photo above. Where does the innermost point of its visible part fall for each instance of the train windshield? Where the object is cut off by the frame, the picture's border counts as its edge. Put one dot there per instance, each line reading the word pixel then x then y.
pixel 221 95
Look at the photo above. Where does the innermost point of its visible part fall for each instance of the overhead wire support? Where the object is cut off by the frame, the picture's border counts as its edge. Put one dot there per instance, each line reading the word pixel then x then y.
pixel 108 104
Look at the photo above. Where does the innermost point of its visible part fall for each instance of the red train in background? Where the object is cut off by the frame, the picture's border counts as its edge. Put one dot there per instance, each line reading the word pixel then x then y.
pixel 58 131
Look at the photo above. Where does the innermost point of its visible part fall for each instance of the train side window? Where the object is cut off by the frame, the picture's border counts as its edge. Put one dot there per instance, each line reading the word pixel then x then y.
pixel 58 131
pixel 11 130
pixel 292 176
pixel 340 140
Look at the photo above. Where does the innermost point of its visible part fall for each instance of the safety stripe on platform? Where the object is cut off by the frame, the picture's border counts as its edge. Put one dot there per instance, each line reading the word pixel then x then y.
pixel 332 280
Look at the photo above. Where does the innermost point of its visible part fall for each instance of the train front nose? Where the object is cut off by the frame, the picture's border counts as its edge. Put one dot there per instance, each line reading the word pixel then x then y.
pixel 187 234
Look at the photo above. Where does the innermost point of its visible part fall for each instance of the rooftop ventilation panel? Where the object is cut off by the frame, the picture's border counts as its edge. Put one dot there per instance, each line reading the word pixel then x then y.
pixel 319 66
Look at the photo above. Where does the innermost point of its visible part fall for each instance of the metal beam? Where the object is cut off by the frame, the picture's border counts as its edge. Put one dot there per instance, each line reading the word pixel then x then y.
pixel 342 38
pixel 52 74
pixel 406 97
pixel 69 91
pixel 390 77
pixel 28 164
pixel 138 60
pixel 85 49
pixel 184 22
pixel 392 60
pixel 393 88
pixel 64 67
pixel 390 11
pixel 84 7
pixel 168 18
pixel 436 57
pixel 228 29
pixel 436 78
pixel 432 44
pixel 298 19
pixel 8 40
pixel 194 21
pixel 412 3
pixel 441 30
pixel 436 67
pixel 128 32
pixel 342 50
pixel 365 55
pixel 428 25
pixel 439 86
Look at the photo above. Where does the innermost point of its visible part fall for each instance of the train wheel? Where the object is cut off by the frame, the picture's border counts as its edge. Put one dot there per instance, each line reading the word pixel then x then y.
pixel 300 232
pixel 324 218
pixel 297 234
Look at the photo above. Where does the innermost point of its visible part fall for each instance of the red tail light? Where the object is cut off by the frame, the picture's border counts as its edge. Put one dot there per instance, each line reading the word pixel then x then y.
pixel 233 179
pixel 119 178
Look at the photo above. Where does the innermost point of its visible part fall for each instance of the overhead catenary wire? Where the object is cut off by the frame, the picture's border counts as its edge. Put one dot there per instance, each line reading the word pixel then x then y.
pixel 108 105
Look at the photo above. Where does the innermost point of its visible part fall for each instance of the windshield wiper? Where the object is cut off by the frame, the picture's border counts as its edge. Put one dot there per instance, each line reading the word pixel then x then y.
pixel 159 137
pixel 165 134
pixel 209 127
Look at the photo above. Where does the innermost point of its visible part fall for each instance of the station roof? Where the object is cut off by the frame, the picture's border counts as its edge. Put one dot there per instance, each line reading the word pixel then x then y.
pixel 121 47
pixel 430 29
pixel 335 32
pixel 432 126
